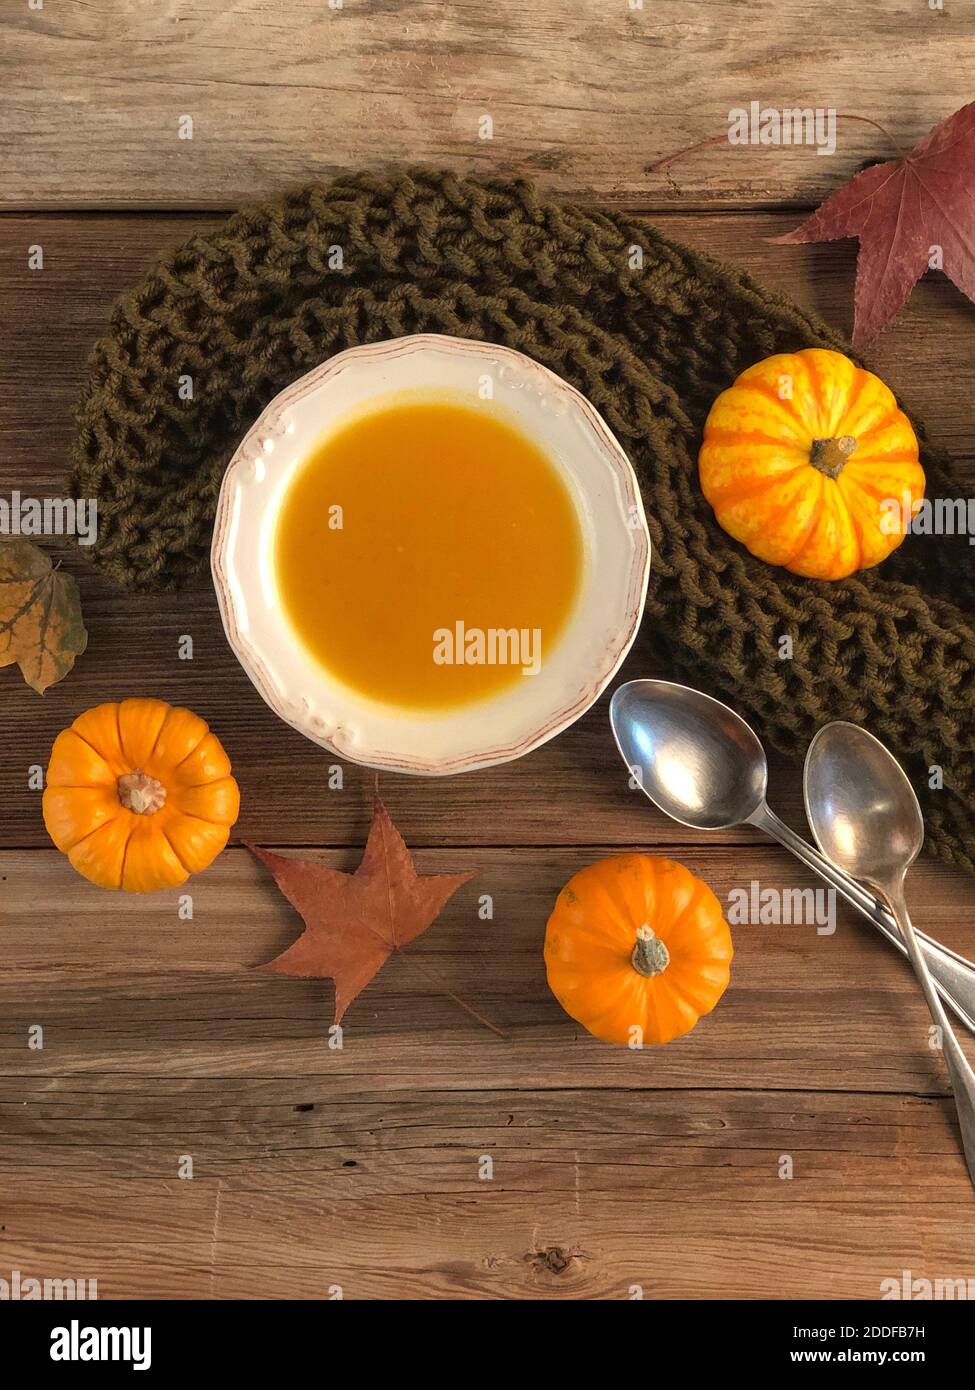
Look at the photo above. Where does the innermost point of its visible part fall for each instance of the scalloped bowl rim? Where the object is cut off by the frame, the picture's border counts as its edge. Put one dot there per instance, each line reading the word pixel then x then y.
pixel 275 666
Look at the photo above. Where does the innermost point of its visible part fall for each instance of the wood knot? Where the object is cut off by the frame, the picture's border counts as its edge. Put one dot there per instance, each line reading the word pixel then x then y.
pixel 554 1259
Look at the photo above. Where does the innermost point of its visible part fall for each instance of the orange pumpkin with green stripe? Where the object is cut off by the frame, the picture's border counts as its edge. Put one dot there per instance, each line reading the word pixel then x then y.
pixel 808 461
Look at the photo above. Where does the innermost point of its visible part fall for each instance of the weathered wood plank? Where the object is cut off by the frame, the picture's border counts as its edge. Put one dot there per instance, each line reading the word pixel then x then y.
pixel 583 97
pixel 494 1246
pixel 51 318
pixel 597 1245
pixel 135 1238
pixel 581 1238
pixel 252 1136
pixel 120 985
pixel 384 1195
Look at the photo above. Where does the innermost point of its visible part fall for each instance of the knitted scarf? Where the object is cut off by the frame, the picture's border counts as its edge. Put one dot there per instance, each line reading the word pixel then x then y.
pixel 648 330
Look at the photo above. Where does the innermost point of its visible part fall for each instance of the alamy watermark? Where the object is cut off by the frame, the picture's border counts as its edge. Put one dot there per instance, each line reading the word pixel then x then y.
pixel 906 1286
pixel 756 124
pixel 928 516
pixel 49 516
pixel 81 1343
pixel 24 1288
pixel 783 907
pixel 493 646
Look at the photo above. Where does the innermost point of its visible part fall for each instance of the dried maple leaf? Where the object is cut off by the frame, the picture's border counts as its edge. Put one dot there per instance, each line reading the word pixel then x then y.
pixel 354 922
pixel 910 214
pixel 40 615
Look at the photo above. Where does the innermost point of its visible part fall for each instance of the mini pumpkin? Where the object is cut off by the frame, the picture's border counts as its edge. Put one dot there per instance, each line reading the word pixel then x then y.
pixel 637 949
pixel 139 795
pixel 808 461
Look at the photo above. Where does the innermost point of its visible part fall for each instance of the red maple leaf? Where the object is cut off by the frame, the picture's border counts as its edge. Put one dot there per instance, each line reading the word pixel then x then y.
pixel 354 922
pixel 910 215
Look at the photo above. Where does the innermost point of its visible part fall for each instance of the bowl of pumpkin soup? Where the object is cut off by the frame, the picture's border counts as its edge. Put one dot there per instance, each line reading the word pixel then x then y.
pixel 430 554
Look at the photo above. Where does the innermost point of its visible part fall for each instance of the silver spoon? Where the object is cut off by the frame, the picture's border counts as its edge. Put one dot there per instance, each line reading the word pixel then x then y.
pixel 703 766
pixel 866 818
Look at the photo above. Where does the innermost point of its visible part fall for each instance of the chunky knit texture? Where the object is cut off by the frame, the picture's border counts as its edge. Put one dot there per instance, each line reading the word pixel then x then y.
pixel 650 336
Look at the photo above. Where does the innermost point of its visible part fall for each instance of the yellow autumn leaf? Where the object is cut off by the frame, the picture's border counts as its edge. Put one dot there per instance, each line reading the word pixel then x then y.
pixel 41 629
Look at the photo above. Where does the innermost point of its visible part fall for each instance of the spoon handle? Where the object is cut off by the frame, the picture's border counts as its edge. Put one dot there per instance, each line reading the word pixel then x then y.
pixel 959 1068
pixel 953 975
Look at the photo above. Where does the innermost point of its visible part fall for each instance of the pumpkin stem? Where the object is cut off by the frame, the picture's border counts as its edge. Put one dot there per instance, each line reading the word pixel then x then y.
pixel 650 956
pixel 830 456
pixel 140 793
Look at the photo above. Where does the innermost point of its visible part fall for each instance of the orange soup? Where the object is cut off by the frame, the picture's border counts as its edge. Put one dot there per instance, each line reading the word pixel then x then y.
pixel 428 554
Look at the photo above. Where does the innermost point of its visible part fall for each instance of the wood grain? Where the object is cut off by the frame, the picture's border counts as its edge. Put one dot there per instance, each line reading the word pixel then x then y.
pixel 588 1195
pixel 250 1138
pixel 807 1114
pixel 570 1230
pixel 583 97
pixel 122 985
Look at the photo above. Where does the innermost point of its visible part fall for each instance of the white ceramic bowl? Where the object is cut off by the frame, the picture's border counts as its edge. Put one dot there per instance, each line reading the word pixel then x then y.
pixel 596 637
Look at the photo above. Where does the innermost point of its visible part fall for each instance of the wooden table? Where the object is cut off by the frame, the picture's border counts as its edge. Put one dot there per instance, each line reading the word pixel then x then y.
pixel 613 1171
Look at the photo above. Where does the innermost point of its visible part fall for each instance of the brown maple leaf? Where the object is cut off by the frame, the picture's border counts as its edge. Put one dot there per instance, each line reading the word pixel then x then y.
pixel 354 922
pixel 910 215
pixel 40 615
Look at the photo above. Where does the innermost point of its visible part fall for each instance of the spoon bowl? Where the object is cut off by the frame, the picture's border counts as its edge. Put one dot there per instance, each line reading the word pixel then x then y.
pixel 693 756
pixel 861 806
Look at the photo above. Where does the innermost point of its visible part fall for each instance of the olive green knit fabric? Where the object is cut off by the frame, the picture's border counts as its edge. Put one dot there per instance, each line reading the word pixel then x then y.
pixel 650 331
